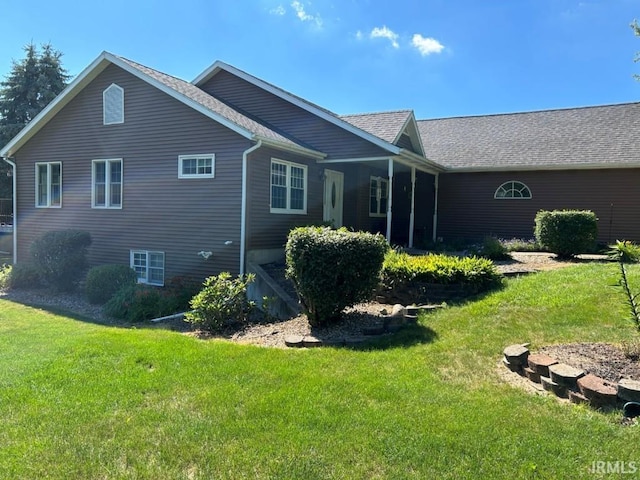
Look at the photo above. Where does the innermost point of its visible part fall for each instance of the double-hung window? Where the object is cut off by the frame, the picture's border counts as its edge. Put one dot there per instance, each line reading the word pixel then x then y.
pixel 149 266
pixel 49 185
pixel 196 166
pixel 288 187
pixel 378 197
pixel 106 191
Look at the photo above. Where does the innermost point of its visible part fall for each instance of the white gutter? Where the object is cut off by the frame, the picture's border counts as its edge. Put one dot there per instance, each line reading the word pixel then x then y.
pixel 243 207
pixel 435 207
pixel 14 199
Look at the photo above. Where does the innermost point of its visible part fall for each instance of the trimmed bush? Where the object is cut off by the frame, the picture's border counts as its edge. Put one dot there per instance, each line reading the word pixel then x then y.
pixel 23 275
pixel 135 303
pixel 493 249
pixel 333 269
pixel 566 232
pixel 60 257
pixel 222 301
pixel 104 281
pixel 402 272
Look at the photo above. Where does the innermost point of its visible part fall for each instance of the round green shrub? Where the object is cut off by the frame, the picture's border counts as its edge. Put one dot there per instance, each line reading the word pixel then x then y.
pixel 566 232
pixel 23 275
pixel 104 281
pixel 333 269
pixel 135 303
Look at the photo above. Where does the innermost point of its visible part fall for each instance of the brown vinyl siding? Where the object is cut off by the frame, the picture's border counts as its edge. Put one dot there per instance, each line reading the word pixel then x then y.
pixel 160 212
pixel 283 116
pixel 468 210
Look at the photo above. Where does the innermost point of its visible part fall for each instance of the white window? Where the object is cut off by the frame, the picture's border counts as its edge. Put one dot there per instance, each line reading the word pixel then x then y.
pixel 288 187
pixel 149 266
pixel 49 184
pixel 378 197
pixel 113 105
pixel 106 186
pixel 196 166
pixel 512 190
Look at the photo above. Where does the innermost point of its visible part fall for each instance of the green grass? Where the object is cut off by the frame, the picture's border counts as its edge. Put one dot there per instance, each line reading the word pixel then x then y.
pixel 80 400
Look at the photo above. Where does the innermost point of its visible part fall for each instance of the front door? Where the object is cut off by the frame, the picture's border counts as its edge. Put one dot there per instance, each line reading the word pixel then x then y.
pixel 333 197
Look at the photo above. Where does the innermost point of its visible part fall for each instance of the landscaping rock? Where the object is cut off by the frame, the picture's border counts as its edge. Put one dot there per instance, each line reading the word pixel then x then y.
pixel 354 341
pixel 553 387
pixel 540 363
pixel 412 319
pixel 577 398
pixel 293 340
pixel 599 392
pixel 394 323
pixel 532 375
pixel 398 310
pixel 566 375
pixel 516 354
pixel 310 341
pixel 512 366
pixel 374 329
pixel 629 390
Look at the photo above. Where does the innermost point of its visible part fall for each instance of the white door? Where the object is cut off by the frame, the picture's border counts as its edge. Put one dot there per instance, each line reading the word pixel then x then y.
pixel 333 197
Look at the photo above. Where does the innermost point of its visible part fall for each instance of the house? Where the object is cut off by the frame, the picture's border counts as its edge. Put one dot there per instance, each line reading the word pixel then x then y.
pixel 177 178
pixel 180 178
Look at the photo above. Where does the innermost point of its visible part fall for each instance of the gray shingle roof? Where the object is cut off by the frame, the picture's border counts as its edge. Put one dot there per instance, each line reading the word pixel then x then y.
pixel 384 125
pixel 569 138
pixel 211 103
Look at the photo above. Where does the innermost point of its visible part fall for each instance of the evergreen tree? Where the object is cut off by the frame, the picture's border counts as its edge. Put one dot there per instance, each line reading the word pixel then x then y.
pixel 32 83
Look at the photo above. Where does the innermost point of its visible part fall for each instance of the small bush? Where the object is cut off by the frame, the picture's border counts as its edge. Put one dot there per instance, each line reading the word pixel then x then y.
pixel 104 281
pixel 5 275
pixel 177 294
pixel 401 269
pixel 60 258
pixel 333 269
pixel 566 232
pixel 625 251
pixel 135 303
pixel 222 301
pixel 23 275
pixel 493 249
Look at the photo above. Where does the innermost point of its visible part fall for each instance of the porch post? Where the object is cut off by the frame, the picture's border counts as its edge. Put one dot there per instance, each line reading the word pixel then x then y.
pixel 435 207
pixel 389 200
pixel 413 204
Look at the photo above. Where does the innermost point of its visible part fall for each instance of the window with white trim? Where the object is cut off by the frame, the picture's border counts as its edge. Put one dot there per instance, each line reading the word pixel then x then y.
pixel 378 196
pixel 149 266
pixel 288 187
pixel 196 166
pixel 512 190
pixel 113 105
pixel 49 184
pixel 106 184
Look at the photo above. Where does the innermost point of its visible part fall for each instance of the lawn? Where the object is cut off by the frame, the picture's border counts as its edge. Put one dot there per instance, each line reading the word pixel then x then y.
pixel 80 400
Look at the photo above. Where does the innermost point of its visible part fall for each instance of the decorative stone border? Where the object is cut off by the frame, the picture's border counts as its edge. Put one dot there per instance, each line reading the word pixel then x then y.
pixel 566 381
pixel 399 317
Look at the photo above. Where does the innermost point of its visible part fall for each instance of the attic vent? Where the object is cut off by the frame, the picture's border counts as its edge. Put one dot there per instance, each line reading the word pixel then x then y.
pixel 113 105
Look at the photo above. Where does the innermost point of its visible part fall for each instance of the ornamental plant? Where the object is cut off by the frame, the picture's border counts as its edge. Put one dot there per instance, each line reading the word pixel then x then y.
pixel 566 232
pixel 333 269
pixel 104 281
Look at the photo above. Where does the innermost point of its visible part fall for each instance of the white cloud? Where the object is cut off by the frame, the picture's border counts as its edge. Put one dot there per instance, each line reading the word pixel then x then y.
pixel 359 35
pixel 385 32
pixel 279 10
pixel 426 45
pixel 302 14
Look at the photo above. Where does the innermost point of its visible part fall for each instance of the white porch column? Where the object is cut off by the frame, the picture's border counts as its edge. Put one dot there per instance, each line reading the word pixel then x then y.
pixel 413 204
pixel 389 200
pixel 435 208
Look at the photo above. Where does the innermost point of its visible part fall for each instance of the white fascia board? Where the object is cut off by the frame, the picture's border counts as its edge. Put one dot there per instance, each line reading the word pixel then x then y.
pixel 542 168
pixel 213 69
pixel 86 76
pixel 404 126
pixel 420 162
pixel 291 148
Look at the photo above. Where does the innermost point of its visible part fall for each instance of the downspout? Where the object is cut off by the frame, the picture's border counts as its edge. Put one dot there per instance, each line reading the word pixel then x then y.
pixel 435 208
pixel 389 200
pixel 14 198
pixel 243 207
pixel 413 206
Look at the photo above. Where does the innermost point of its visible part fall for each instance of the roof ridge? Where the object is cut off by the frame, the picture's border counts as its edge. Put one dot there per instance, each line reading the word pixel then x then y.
pixel 402 110
pixel 530 112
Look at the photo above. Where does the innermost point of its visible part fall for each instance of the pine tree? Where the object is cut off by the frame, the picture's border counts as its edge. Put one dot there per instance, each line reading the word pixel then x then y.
pixel 30 86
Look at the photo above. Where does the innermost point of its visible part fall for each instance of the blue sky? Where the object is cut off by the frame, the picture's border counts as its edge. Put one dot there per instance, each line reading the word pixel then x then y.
pixel 441 58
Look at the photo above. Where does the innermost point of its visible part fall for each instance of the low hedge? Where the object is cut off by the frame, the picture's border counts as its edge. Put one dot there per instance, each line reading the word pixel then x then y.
pixel 471 275
pixel 566 232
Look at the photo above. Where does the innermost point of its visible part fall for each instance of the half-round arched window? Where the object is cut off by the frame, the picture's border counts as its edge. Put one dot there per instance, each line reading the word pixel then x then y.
pixel 512 189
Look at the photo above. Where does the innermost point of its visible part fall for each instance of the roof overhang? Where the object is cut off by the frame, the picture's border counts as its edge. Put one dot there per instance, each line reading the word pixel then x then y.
pixel 406 158
pixel 291 148
pixel 541 168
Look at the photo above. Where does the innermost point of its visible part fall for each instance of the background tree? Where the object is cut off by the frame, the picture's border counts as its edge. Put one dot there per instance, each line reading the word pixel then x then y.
pixel 636 31
pixel 32 83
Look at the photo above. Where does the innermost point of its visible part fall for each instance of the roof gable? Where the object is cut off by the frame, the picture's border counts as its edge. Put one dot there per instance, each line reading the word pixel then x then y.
pixel 295 100
pixel 181 90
